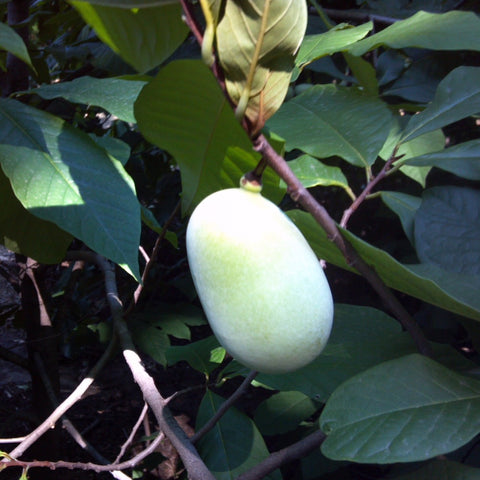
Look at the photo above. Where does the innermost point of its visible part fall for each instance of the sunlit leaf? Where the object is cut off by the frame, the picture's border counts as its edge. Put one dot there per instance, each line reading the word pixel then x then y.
pixel 184 112
pixel 436 31
pixel 22 232
pixel 256 43
pixel 59 174
pixel 143 37
pixel 334 40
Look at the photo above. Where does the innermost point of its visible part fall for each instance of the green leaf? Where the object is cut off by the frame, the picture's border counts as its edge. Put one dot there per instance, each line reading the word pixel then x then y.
pixel 405 206
pixel 457 97
pixel 283 412
pixel 114 95
pixel 361 337
pixel 334 40
pixel 442 469
pixel 234 445
pixel 256 44
pixel 311 172
pixel 184 111
pixel 151 340
pixel 23 232
pixel 461 160
pixel 454 292
pixel 115 147
pixel 148 218
pixel 59 174
pixel 12 42
pixel 404 410
pixel 447 229
pixel 363 72
pixel 196 354
pixel 143 37
pixel 130 4
pixel 315 122
pixel 447 31
pixel 172 319
pixel 426 143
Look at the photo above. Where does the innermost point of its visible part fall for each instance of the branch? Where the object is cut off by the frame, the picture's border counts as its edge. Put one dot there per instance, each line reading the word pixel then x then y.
pixel 132 462
pixel 132 433
pixel 225 406
pixel 12 357
pixel 152 258
pixel 301 195
pixel 66 404
pixel 277 459
pixel 370 186
pixel 195 466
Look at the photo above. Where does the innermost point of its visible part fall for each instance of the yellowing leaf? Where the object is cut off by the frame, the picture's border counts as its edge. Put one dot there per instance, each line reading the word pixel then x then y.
pixel 256 43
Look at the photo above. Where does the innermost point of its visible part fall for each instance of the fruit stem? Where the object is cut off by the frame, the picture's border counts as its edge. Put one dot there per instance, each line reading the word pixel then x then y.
pixel 252 181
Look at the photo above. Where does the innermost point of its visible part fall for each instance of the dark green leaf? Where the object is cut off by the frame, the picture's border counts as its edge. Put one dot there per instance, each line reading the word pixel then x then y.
pixel 461 160
pixel 197 354
pixel 23 232
pixel 114 147
pixel 327 120
pixel 442 469
pixel 283 412
pixel 151 340
pixel 148 218
pixel 457 97
pixel 405 206
pixel 59 174
pixel 454 292
pixel 12 42
pixel 184 111
pixel 114 95
pixel 130 4
pixel 361 337
pixel 447 229
pixel 234 445
pixel 404 410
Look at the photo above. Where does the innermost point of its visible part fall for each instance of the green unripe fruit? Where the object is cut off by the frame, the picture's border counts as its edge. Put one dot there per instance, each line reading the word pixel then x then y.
pixel 260 284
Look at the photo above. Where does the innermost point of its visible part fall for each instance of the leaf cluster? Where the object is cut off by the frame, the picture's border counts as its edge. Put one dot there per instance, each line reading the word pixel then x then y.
pixel 377 119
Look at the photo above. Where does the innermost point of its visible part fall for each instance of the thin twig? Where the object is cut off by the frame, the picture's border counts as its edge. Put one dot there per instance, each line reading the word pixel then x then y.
pixel 130 438
pixel 66 404
pixel 196 468
pixel 12 440
pixel 224 407
pixel 301 195
pixel 132 462
pixel 152 259
pixel 12 357
pixel 277 459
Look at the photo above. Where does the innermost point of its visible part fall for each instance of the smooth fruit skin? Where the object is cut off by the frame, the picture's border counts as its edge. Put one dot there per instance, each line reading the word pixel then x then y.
pixel 260 284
